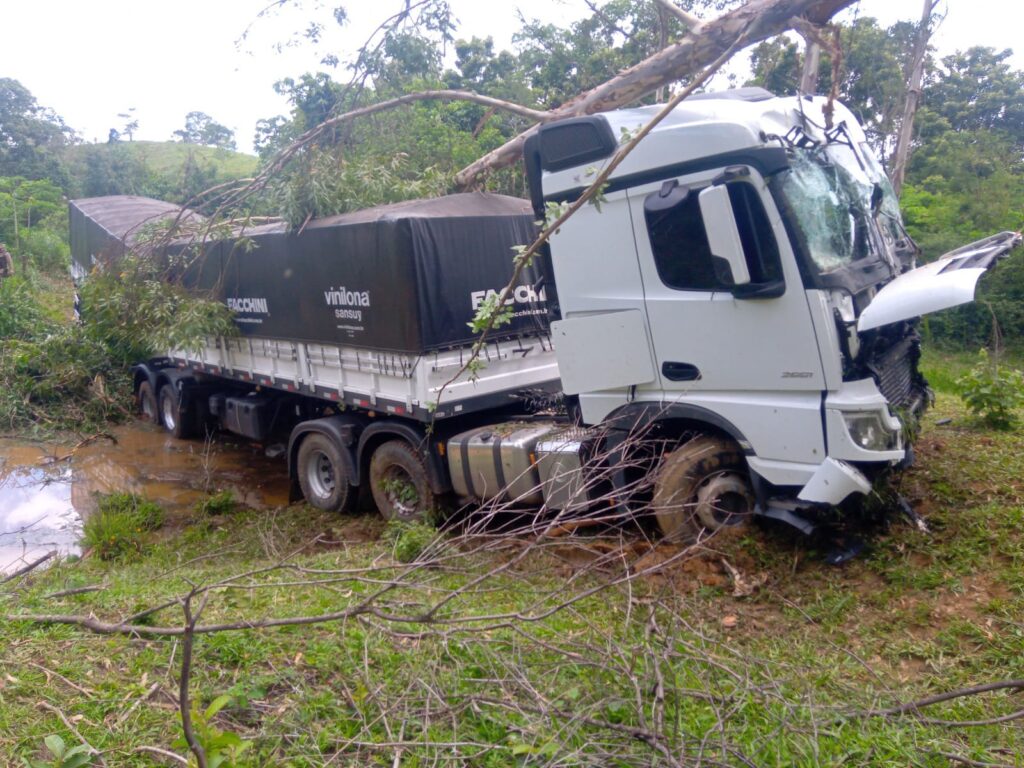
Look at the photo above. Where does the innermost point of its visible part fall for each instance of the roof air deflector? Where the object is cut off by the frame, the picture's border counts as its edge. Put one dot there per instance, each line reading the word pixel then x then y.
pixel 573 142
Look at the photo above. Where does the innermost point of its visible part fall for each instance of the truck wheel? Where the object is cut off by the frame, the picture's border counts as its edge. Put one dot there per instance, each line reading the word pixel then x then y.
pixel 399 482
pixel 145 399
pixel 702 485
pixel 324 475
pixel 174 421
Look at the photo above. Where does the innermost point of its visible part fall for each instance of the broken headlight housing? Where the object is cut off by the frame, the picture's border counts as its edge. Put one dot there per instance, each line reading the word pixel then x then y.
pixel 872 431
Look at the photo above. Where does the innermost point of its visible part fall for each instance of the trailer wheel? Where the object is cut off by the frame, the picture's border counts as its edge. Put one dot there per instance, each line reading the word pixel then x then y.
pixel 400 484
pixel 702 485
pixel 145 399
pixel 174 421
pixel 324 475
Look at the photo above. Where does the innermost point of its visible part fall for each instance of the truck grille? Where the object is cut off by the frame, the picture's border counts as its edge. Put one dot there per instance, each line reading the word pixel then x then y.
pixel 894 371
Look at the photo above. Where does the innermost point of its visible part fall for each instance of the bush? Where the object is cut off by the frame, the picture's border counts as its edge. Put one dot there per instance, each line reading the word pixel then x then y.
pixel 57 376
pixel 119 527
pixel 46 249
pixel 992 392
pixel 60 380
pixel 409 540
pixel 21 316
pixel 220 503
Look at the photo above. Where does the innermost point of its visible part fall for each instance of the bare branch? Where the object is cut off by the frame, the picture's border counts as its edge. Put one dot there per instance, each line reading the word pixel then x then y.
pixel 30 567
pixel 285 155
pixel 693 23
pixel 184 704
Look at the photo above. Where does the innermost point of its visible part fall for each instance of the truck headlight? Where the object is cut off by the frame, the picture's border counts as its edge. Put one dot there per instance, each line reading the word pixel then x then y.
pixel 871 432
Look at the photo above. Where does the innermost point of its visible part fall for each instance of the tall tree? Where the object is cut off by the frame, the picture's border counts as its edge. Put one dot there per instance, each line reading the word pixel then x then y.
pixel 31 136
pixel 976 89
pixel 914 80
pixel 202 129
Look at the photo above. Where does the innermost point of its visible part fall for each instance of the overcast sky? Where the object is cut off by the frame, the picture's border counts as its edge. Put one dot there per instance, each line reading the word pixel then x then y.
pixel 91 61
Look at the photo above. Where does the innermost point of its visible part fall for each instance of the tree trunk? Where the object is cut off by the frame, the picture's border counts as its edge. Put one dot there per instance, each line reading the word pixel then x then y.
pixel 809 78
pixel 757 19
pixel 901 154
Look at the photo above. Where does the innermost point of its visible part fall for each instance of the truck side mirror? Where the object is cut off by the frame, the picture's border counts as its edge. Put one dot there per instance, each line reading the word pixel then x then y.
pixel 723 234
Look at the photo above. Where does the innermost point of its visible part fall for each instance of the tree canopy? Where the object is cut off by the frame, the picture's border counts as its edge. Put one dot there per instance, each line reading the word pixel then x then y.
pixel 31 136
pixel 202 129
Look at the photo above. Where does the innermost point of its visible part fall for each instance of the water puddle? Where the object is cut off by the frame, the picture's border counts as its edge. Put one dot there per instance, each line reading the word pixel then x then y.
pixel 45 494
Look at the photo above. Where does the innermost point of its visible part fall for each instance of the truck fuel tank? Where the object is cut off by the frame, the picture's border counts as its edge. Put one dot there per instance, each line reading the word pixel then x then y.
pixel 561 457
pixel 499 461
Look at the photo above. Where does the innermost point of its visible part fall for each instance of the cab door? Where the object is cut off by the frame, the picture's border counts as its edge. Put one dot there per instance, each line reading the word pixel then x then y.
pixel 748 352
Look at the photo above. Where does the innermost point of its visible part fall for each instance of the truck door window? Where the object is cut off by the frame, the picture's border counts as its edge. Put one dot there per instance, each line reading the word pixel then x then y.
pixel 759 245
pixel 679 242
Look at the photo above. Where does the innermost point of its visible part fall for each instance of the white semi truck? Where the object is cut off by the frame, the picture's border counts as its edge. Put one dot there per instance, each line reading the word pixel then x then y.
pixel 732 333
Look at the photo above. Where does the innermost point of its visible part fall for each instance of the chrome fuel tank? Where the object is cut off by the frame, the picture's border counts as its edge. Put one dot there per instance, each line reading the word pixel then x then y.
pixel 499 461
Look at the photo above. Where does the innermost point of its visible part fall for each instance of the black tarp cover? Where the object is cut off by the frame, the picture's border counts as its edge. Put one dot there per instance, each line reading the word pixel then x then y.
pixel 405 277
pixel 103 228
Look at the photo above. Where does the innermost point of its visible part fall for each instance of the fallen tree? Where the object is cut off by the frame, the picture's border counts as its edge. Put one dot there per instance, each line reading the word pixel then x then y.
pixel 703 44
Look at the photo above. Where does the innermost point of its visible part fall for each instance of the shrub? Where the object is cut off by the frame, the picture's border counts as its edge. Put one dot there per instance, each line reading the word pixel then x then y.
pixel 409 540
pixel 119 527
pixel 992 392
pixel 220 503
pixel 21 317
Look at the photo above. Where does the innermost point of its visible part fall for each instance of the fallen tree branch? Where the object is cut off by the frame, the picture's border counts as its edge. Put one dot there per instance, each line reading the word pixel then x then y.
pixel 757 19
pixel 83 443
pixel 30 567
pixel 913 708
pixel 49 672
pixel 282 158
pixel 968 761
pixel 959 693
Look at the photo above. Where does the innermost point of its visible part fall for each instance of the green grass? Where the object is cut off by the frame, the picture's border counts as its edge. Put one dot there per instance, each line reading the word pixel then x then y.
pixel 120 527
pixel 166 157
pixel 774 679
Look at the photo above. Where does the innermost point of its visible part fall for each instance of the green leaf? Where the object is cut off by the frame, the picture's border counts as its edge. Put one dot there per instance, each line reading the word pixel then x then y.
pixel 77 761
pixel 55 744
pixel 217 705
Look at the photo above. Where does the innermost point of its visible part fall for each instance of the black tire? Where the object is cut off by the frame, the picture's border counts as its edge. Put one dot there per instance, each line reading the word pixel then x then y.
pixel 145 401
pixel 400 484
pixel 702 485
pixel 324 475
pixel 173 420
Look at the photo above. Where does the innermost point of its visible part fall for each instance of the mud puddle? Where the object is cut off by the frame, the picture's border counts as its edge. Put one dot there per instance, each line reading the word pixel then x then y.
pixel 45 494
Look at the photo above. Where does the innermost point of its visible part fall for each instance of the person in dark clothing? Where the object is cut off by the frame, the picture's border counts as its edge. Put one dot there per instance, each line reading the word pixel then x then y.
pixel 6 262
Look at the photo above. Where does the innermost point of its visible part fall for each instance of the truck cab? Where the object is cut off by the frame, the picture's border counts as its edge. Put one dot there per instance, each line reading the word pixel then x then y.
pixel 746 277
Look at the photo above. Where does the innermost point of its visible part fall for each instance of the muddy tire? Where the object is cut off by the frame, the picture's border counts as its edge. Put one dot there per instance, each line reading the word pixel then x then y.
pixel 173 420
pixel 324 475
pixel 146 404
pixel 400 484
pixel 702 485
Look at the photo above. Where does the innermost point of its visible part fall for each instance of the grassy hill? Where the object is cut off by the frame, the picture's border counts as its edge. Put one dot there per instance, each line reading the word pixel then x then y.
pixel 163 169
pixel 169 156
